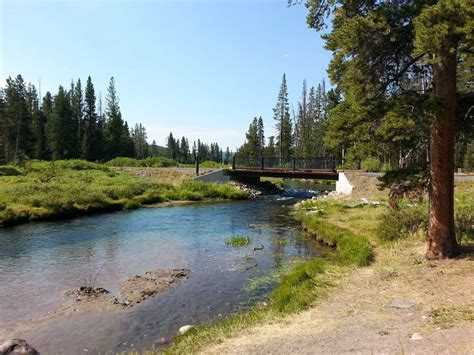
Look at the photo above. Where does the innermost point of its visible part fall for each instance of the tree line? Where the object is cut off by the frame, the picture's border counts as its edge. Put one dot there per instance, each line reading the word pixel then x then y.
pixel 180 150
pixel 298 133
pixel 70 124
pixel 325 125
pixel 75 123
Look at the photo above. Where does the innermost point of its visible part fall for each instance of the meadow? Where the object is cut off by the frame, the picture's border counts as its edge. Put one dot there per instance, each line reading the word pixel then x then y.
pixel 63 189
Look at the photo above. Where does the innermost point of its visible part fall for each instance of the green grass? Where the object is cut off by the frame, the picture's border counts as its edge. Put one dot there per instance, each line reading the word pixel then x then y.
pixel 238 241
pixel 354 229
pixel 155 162
pixel 299 285
pixel 63 189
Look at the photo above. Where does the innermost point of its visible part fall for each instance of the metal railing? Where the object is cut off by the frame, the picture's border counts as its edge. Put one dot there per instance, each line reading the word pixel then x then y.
pixel 284 163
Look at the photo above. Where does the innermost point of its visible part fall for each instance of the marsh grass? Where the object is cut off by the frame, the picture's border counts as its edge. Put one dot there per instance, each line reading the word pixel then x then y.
pixel 238 241
pixel 64 189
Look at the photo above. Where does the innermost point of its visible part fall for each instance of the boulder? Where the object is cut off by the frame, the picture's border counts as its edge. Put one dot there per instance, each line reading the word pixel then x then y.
pixel 17 347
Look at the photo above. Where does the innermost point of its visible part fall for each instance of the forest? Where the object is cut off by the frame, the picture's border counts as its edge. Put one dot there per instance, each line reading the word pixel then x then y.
pixel 75 124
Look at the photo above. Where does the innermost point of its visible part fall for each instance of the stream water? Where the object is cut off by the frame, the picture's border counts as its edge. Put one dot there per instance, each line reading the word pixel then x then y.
pixel 40 261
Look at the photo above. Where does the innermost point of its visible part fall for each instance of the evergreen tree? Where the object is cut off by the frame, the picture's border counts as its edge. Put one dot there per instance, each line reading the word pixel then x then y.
pixel 281 113
pixel 38 123
pixel 2 128
pixel 139 141
pixel 47 114
pixel 171 145
pixel 77 107
pixel 270 149
pixel 62 128
pixel 99 134
pixel 379 47
pixel 117 136
pixel 184 151
pixel 89 126
pixel 260 136
pixel 16 121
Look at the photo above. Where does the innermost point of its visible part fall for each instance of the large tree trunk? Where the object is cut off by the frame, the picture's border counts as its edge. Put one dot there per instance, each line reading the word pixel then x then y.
pixel 441 233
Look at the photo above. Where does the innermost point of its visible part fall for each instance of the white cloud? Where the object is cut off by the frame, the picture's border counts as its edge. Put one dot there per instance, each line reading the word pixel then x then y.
pixel 3 83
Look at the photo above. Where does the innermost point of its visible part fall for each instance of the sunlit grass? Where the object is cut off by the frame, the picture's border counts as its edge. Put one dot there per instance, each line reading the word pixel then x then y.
pixel 49 190
pixel 238 241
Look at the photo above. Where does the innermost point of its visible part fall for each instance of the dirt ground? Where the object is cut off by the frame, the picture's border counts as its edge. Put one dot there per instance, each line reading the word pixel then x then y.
pixel 357 316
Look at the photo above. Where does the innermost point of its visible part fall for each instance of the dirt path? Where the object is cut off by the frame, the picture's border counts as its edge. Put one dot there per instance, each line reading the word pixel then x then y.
pixel 356 319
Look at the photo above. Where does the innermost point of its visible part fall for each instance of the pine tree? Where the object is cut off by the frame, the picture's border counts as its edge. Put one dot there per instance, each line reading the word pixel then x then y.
pixel 260 136
pixel 171 145
pixel 184 151
pixel 77 107
pixel 62 127
pixel 37 121
pixel 47 114
pixel 378 48
pixel 281 113
pixel 16 121
pixel 117 137
pixel 139 141
pixel 99 134
pixel 89 126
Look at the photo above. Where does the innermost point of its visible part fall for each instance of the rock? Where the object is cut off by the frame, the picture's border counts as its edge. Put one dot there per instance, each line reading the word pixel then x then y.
pixel 258 247
pixel 17 347
pixel 184 329
pixel 416 336
pixel 401 304
pixel 162 341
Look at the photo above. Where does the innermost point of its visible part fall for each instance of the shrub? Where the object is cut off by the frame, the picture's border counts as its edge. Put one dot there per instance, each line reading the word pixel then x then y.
pixel 155 162
pixel 400 224
pixel 371 164
pixel 464 217
pixel 8 170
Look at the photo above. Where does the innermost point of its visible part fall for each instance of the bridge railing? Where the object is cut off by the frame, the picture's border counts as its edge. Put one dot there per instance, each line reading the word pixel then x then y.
pixel 284 163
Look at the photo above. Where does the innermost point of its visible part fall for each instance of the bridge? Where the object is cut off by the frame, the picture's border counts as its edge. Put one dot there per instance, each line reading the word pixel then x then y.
pixel 251 168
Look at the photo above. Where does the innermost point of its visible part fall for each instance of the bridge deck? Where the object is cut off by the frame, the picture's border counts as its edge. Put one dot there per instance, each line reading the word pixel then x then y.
pixel 326 174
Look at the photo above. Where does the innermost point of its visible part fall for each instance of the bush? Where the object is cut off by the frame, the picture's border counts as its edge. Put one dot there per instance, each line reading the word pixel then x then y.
pixel 464 217
pixel 155 162
pixel 400 224
pixel 371 164
pixel 8 170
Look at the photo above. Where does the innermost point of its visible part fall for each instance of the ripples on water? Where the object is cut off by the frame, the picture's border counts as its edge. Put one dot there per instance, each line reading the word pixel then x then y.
pixel 40 261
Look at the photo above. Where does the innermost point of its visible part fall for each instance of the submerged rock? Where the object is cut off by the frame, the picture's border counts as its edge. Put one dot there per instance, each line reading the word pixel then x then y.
pixel 17 346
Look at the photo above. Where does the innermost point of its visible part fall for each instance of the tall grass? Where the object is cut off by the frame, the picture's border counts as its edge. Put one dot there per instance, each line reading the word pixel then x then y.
pixel 155 162
pixel 47 190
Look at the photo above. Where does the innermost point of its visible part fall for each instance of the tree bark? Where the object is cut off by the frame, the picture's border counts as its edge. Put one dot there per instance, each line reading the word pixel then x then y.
pixel 441 232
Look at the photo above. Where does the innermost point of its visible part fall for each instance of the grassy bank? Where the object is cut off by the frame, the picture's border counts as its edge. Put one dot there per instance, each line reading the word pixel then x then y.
pixel 63 189
pixel 299 286
pixel 359 233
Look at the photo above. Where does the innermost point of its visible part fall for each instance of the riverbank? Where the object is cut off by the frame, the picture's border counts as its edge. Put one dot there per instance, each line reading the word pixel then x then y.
pixel 70 188
pixel 372 295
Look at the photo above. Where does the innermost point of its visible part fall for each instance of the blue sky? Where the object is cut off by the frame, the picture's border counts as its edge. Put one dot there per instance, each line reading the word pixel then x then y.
pixel 200 68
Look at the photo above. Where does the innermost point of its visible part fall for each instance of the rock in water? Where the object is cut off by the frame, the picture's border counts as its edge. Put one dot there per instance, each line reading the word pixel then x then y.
pixel 401 304
pixel 17 347
pixel 185 329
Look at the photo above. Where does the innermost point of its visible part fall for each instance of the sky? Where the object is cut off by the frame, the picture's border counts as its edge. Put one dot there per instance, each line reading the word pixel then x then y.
pixel 198 68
